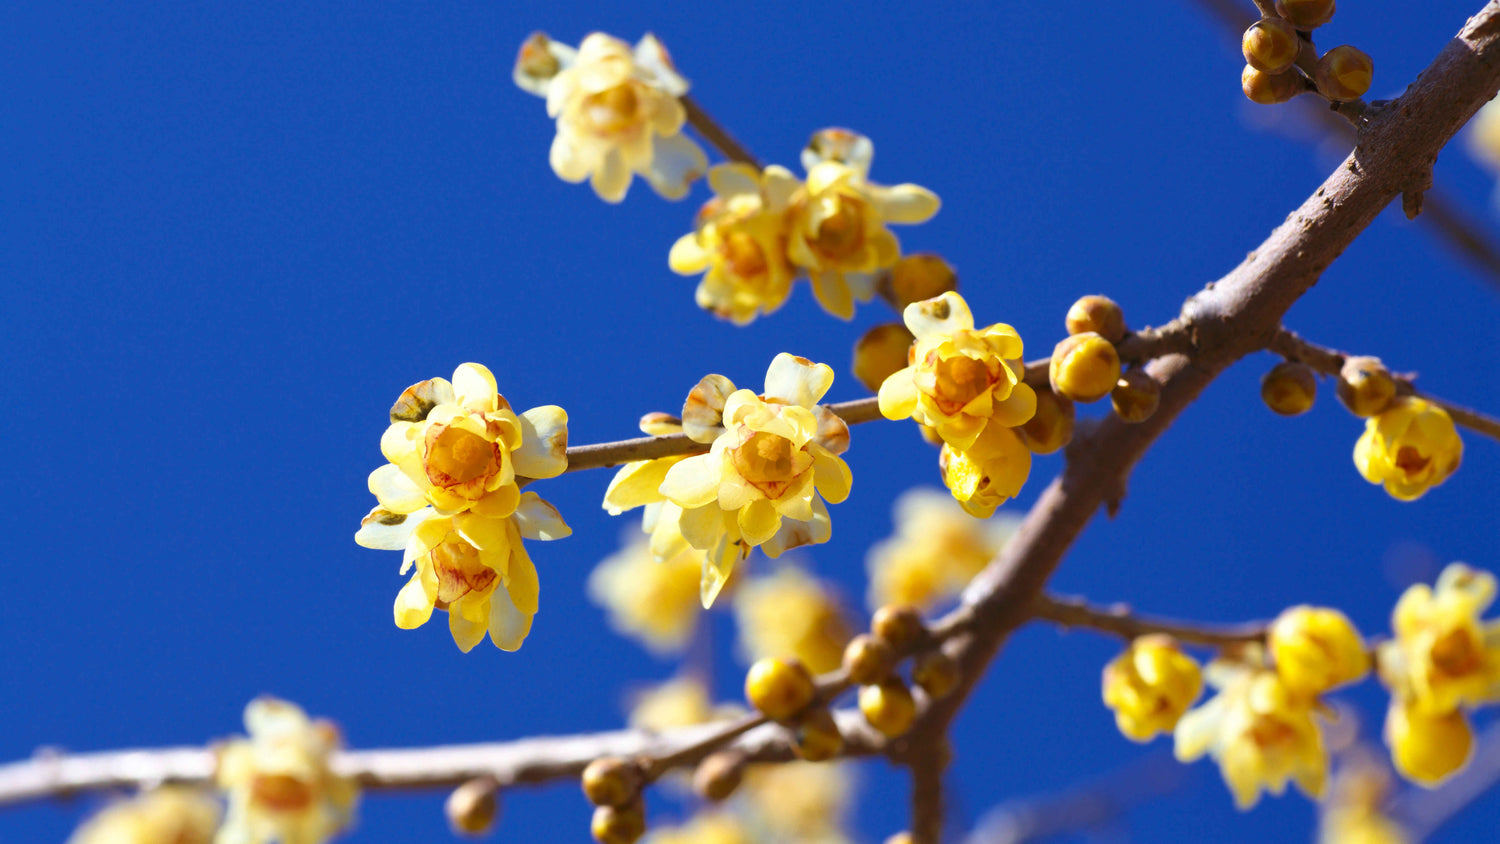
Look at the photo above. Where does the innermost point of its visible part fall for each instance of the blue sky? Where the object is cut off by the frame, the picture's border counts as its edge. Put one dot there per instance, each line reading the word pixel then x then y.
pixel 234 234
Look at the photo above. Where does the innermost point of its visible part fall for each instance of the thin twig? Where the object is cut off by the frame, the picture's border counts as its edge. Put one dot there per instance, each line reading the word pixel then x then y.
pixel 716 135
pixel 1331 361
pixel 1118 620
pixel 927 765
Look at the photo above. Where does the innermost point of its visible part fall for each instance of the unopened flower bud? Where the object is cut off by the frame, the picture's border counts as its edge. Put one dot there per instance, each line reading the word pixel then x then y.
pixel 868 659
pixel 612 781
pixel 1135 396
pixel 719 774
pixel 1305 14
pixel 1271 88
pixel 888 706
pixel 1365 386
pixel 900 626
pixel 472 807
pixel 1270 45
pixel 937 673
pixel 1427 748
pixel 817 737
pixel 780 689
pixel 880 352
pixel 1051 427
pixel 619 825
pixel 1099 314
pixel 1344 73
pixel 1084 367
pixel 920 276
pixel 1316 649
pixel 1289 388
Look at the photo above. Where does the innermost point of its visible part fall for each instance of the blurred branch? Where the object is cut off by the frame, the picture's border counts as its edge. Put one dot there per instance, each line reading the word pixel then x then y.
pixel 1091 805
pixel 1117 620
pixel 716 134
pixel 927 763
pixel 1330 361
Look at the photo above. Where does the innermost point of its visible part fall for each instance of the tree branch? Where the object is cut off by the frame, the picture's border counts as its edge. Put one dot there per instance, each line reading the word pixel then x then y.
pixel 1118 621
pixel 716 134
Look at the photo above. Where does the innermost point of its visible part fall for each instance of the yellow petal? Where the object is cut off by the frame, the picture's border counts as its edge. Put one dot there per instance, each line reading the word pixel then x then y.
pixel 544 443
pixel 693 482
pixel 414 601
pixel 831 474
pixel 535 518
pixel 636 484
pixel 832 292
pixel 466 631
pixel 474 387
pixel 905 203
pixel 932 318
pixel 797 380
pixel 611 178
pixel 758 521
pixel 567 160
pixel 898 395
pixel 688 256
pixel 395 491
pixel 508 625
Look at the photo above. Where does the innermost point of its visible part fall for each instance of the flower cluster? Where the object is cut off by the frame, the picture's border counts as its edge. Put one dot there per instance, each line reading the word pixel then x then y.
pixel 936 550
pixel 791 613
pixel 618 113
pixel 1150 686
pixel 1444 659
pixel 279 783
pixel 450 497
pixel 167 814
pixel 772 462
pixel 966 384
pixel 656 602
pixel 763 229
pixel 1410 447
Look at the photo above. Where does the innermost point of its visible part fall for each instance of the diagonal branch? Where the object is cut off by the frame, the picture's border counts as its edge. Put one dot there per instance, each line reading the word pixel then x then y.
pixel 1118 620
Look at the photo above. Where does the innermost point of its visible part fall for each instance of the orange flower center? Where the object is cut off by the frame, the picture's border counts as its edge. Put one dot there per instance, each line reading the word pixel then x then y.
pixel 842 233
pixel 457 456
pixel 767 462
pixel 1272 732
pixel 613 111
pixel 1411 461
pixel 459 570
pixel 744 255
pixel 958 381
pixel 1456 654
pixel 281 792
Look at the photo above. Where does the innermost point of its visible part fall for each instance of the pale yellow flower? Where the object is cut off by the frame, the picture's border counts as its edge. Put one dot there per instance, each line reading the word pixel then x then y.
pixel 655 602
pixel 1261 733
pixel 1150 686
pixel 936 550
pixel 1316 649
pixel 741 243
pixel 1484 135
pixel 166 815
pixel 1410 447
pixel 279 784
pixel 961 379
pixel 711 827
pixel 680 702
pixel 791 613
pixel 1443 655
pixel 800 801
pixel 989 472
pixel 618 113
pixel 1355 811
pixel 837 220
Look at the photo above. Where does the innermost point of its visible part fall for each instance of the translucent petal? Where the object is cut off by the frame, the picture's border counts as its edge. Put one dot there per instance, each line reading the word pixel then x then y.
pixel 777 186
pixel 833 293
pixel 395 491
pixel 544 443
pixel 904 203
pixel 831 475
pixel 611 178
pixel 427 536
pixel 693 482
pixel 498 504
pixel 466 631
pixel 932 318
pixel 522 581
pixel 703 527
pixel 486 534
pixel 535 518
pixel 717 567
pixel 758 521
pixel 414 601
pixel 567 159
pixel 676 164
pixel 688 256
pixel 652 59
pixel 735 492
pixel 399 441
pixel 828 175
pixel 636 484
pixel 508 625
pixel 898 395
pixel 474 387
pixel 387 531
pixel 798 380
pixel 733 179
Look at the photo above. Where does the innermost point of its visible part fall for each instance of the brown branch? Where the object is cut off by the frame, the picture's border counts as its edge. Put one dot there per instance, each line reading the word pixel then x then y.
pixel 715 134
pixel 1331 361
pixel 1118 621
pixel 927 764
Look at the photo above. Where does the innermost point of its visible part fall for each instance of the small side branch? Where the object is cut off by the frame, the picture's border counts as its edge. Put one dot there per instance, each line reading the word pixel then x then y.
pixel 716 135
pixel 1117 620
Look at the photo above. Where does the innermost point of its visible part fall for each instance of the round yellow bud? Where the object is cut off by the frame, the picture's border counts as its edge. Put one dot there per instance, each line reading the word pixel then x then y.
pixel 612 781
pixel 1365 386
pixel 1051 427
pixel 619 824
pixel 1316 649
pixel 880 352
pixel 473 806
pixel 1084 367
pixel 1289 388
pixel 900 626
pixel 719 774
pixel 920 276
pixel 1099 314
pixel 868 659
pixel 780 689
pixel 1135 396
pixel 1305 14
pixel 1271 88
pixel 1270 45
pixel 1344 73
pixel 888 706
pixel 817 738
pixel 1150 686
pixel 1427 749
pixel 937 673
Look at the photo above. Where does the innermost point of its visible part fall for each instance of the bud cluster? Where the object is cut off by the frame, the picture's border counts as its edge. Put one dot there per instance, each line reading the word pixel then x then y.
pixel 1281 61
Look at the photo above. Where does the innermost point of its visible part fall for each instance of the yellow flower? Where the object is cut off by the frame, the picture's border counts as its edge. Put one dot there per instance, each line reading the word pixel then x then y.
pixel 1354 812
pixel 790 613
pixel 800 801
pixel 1427 747
pixel 279 783
pixel 961 379
pixel 1443 656
pixel 771 466
pixel 656 602
pixel 1150 685
pixel 837 220
pixel 741 241
pixel 1260 732
pixel 458 446
pixel 712 827
pixel 617 112
pixel 936 551
pixel 1316 649
pixel 987 474
pixel 680 702
pixel 168 814
pixel 1410 447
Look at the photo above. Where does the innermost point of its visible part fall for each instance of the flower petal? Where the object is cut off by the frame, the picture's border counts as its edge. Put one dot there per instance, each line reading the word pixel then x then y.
pixel 637 484
pixel 758 521
pixel 832 292
pixel 535 518
pixel 414 601
pixel 693 482
pixel 676 164
pixel 567 159
pixel 611 178
pixel 941 315
pixel 474 387
pixel 904 203
pixel 486 534
pixel 831 474
pixel 521 582
pixel 797 380
pixel 898 394
pixel 384 530
pixel 544 443
pixel 688 256
pixel 395 491
pixel 508 625
pixel 466 631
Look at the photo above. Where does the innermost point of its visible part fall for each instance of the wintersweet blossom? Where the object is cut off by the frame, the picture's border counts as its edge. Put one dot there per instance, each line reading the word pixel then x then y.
pixel 1356 809
pixel 837 220
pixel 279 783
pixel 1260 732
pixel 618 113
pixel 1427 747
pixel 1443 656
pixel 740 241
pixel 961 379
pixel 800 801
pixel 650 600
pixel 791 613
pixel 989 472
pixel 1150 686
pixel 170 814
pixel 1316 649
pixel 709 827
pixel 936 550
pixel 682 701
pixel 1410 447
